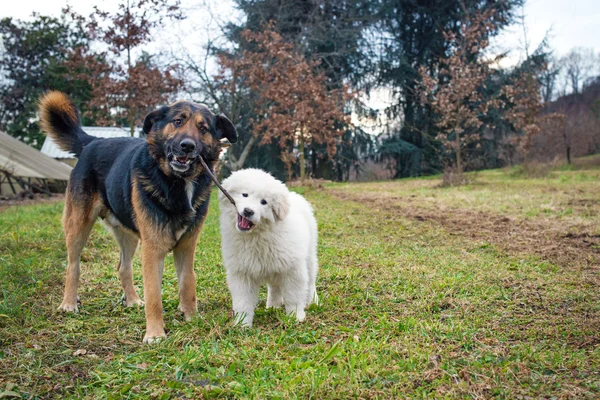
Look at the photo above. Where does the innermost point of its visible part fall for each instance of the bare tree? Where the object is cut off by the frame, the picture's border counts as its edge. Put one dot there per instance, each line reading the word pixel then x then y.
pixel 548 79
pixel 579 66
pixel 125 88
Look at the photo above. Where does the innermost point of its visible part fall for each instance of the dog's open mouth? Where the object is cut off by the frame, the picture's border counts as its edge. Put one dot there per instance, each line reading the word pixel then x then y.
pixel 244 224
pixel 181 164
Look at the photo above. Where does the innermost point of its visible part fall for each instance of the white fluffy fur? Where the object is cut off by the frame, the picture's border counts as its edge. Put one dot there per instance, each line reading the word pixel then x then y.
pixel 280 250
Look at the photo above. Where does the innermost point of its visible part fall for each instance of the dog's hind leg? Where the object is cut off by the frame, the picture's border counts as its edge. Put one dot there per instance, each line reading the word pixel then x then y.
pixel 313 267
pixel 295 289
pixel 128 242
pixel 78 219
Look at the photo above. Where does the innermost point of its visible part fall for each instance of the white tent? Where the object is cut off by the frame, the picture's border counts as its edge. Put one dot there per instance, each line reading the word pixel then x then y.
pixel 23 166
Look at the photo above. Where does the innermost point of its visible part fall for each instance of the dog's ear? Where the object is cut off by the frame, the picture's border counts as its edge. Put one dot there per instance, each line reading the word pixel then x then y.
pixel 153 117
pixel 225 129
pixel 281 205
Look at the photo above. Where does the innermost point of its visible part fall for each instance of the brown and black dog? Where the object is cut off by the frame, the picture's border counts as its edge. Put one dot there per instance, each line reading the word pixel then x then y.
pixel 154 190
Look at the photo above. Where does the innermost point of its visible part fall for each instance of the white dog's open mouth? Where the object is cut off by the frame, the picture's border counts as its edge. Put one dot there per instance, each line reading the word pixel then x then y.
pixel 244 224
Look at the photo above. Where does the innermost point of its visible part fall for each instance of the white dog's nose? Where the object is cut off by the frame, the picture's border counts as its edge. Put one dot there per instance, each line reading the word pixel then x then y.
pixel 248 212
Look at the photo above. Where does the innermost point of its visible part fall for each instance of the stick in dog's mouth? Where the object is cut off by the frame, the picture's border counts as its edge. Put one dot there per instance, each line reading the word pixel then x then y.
pixel 216 181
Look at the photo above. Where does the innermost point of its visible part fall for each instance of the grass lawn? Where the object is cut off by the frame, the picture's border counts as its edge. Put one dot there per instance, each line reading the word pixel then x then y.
pixel 486 290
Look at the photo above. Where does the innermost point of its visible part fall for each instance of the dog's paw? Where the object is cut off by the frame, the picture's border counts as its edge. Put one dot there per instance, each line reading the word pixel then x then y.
pixel 300 315
pixel 242 320
pixel 153 339
pixel 188 313
pixel 274 304
pixel 298 312
pixel 132 302
pixel 68 307
pixel 315 300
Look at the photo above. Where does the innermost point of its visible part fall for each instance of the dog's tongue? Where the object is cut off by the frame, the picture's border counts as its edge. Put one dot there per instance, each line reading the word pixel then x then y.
pixel 243 222
pixel 182 160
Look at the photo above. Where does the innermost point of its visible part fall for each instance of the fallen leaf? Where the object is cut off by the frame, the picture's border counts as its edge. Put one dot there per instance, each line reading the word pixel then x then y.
pixel 79 352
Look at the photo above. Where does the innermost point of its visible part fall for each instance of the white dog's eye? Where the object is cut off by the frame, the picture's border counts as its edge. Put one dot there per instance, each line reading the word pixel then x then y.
pixel 263 202
pixel 245 194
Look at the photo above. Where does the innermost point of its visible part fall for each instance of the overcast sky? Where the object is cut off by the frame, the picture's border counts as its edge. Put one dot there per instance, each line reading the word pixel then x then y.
pixel 570 23
pixel 567 23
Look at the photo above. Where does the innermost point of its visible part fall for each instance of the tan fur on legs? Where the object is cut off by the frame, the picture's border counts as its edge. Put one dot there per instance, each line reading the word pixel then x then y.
pixel 183 256
pixel 152 264
pixel 128 242
pixel 155 246
pixel 78 219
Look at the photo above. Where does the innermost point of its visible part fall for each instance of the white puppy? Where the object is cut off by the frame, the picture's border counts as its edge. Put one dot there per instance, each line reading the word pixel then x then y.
pixel 270 238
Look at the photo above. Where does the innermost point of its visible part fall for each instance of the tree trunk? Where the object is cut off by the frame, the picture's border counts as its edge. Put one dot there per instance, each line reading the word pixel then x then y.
pixel 131 125
pixel 459 168
pixel 567 144
pixel 302 161
pixel 313 162
pixel 130 112
pixel 234 164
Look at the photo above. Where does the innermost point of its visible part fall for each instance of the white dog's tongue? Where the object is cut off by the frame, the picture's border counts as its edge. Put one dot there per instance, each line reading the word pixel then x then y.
pixel 244 223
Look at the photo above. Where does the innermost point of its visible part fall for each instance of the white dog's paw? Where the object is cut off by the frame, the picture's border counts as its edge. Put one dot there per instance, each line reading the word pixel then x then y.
pixel 315 300
pixel 297 311
pixel 242 320
pixel 274 303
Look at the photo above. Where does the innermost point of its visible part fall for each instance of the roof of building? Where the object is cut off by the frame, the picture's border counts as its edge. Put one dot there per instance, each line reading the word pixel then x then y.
pixel 24 161
pixel 52 150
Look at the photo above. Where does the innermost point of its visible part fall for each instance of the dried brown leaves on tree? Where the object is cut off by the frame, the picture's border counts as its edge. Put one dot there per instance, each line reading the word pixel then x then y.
pixel 124 87
pixel 522 109
pixel 455 95
pixel 293 105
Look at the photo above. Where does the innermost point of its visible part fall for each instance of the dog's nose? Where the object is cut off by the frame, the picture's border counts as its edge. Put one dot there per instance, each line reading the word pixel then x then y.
pixel 187 145
pixel 248 212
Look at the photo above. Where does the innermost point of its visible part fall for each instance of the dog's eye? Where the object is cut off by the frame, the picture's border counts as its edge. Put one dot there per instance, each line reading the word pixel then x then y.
pixel 203 129
pixel 177 122
pixel 263 202
pixel 244 194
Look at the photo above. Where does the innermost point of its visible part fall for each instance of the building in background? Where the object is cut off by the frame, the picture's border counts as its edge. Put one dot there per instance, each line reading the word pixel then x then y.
pixel 50 148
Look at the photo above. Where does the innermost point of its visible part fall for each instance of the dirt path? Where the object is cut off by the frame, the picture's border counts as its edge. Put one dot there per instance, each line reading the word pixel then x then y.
pixel 549 239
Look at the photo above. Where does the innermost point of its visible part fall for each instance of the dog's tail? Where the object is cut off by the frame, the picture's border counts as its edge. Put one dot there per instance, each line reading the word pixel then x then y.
pixel 59 118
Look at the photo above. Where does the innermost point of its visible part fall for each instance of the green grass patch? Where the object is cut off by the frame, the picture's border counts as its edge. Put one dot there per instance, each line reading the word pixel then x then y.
pixel 409 308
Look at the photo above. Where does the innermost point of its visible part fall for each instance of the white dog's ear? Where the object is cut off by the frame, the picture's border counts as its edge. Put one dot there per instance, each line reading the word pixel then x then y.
pixel 281 205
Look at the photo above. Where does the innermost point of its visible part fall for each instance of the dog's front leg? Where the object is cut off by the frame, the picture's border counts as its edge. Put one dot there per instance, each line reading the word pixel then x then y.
pixel 153 258
pixel 244 295
pixel 183 256
pixel 274 295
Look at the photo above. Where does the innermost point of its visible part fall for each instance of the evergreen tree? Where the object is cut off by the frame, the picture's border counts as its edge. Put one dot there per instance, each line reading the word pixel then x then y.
pixel 410 35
